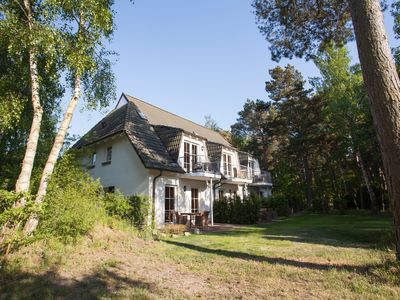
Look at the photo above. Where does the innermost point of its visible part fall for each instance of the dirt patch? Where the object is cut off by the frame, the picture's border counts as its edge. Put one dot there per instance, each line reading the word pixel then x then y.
pixel 108 262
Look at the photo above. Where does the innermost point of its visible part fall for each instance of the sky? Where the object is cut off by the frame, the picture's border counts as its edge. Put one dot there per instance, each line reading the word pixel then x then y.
pixel 193 58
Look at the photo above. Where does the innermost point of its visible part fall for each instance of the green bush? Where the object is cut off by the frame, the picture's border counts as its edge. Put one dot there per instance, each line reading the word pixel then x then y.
pixel 221 210
pixel 116 204
pixel 278 202
pixel 73 202
pixel 237 211
pixel 140 210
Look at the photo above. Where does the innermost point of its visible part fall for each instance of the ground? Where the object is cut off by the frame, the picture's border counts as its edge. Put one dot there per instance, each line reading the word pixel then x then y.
pixel 303 257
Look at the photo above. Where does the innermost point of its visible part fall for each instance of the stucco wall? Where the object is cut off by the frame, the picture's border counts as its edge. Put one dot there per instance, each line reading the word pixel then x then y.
pixel 125 172
pixel 183 194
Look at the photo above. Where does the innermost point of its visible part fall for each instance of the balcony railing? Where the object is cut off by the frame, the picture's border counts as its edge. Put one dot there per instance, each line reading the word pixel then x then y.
pixel 235 171
pixel 200 164
pixel 262 177
pixel 197 164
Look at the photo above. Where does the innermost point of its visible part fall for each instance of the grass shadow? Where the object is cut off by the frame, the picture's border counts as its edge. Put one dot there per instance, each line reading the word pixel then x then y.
pixel 49 285
pixel 276 260
pixel 351 230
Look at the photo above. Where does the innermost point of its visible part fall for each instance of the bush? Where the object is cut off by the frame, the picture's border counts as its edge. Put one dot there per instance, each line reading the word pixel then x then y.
pixel 174 229
pixel 140 210
pixel 13 218
pixel 116 204
pixel 237 211
pixel 277 202
pixel 73 202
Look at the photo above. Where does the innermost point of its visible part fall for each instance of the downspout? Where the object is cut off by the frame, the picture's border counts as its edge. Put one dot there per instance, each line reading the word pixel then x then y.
pixel 153 207
pixel 212 202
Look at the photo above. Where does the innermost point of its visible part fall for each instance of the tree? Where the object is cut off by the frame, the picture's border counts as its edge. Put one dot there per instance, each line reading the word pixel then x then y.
pixel 301 27
pixel 298 121
pixel 252 131
pixel 87 63
pixel 28 34
pixel 346 113
pixel 211 123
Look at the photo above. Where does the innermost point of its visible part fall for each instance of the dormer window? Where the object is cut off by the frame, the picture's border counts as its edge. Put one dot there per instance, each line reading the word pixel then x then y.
pixel 190 156
pixel 227 164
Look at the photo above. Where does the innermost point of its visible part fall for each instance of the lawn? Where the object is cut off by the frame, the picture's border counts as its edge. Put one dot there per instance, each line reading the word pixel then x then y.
pixel 303 257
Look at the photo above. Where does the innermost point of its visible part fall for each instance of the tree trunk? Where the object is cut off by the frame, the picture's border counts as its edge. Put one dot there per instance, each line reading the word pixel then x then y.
pixel 33 221
pixel 383 87
pixel 23 181
pixel 367 182
pixel 308 180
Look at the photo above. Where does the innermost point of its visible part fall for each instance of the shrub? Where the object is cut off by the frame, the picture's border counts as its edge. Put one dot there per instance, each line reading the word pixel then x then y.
pixel 140 210
pixel 13 218
pixel 237 211
pixel 73 203
pixel 277 202
pixel 116 204
pixel 222 210
pixel 174 229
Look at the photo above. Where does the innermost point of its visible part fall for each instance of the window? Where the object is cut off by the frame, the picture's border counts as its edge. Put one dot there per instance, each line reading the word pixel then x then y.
pixel 169 203
pixel 186 156
pixel 195 200
pixel 109 154
pixel 93 159
pixel 221 194
pixel 194 155
pixel 227 163
pixel 251 168
pixel 190 156
pixel 109 189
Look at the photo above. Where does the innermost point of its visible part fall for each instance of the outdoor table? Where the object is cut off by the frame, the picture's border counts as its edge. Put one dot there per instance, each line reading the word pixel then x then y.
pixel 190 215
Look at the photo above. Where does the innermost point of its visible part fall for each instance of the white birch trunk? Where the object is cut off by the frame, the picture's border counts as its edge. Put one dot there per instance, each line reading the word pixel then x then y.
pixel 33 221
pixel 23 181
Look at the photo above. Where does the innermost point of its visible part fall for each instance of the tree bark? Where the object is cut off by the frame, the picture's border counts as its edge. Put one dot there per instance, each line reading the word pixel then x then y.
pixel 367 182
pixel 308 181
pixel 33 221
pixel 383 87
pixel 23 181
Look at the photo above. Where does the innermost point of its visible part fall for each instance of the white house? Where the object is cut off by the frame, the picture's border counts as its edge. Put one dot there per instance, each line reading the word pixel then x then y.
pixel 141 149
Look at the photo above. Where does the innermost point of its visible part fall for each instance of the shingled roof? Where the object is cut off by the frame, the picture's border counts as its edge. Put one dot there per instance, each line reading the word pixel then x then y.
pixel 148 145
pixel 159 116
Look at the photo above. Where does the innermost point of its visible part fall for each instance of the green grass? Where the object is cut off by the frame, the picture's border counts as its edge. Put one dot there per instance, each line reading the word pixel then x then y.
pixel 304 257
pixel 334 256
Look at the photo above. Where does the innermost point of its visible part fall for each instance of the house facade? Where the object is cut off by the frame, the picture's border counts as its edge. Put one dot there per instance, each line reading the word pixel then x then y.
pixel 141 149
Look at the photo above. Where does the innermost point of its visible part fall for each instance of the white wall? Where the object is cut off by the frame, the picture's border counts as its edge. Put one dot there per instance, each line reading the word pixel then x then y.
pixel 167 178
pixel 126 171
pixel 183 198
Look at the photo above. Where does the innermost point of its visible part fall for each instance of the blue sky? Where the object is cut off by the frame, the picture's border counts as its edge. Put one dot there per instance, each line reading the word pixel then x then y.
pixel 193 58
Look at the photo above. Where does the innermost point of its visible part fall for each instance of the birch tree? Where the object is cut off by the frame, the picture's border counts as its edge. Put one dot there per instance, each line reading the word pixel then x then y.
pixel 87 26
pixel 31 35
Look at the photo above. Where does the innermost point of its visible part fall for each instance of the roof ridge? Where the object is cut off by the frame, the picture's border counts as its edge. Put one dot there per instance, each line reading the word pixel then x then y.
pixel 173 114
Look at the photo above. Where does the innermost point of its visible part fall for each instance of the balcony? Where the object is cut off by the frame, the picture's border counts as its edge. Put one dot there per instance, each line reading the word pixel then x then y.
pixel 235 171
pixel 262 178
pixel 199 166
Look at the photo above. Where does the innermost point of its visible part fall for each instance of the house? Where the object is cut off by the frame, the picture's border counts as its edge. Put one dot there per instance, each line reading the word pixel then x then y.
pixel 141 149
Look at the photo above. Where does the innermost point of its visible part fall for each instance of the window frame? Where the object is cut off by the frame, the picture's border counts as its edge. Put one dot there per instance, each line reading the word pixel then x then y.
pixel 195 200
pixel 167 197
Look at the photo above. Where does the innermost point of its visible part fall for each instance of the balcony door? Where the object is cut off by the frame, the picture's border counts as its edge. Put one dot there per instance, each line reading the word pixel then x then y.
pixel 190 156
